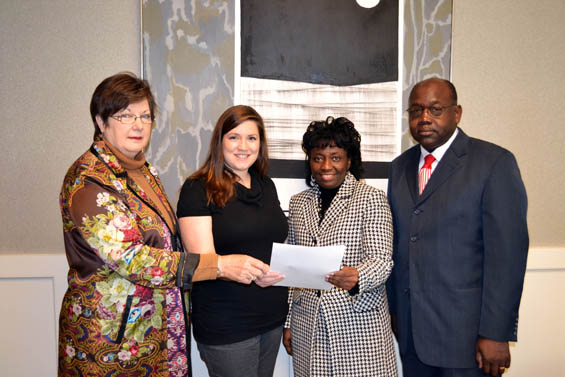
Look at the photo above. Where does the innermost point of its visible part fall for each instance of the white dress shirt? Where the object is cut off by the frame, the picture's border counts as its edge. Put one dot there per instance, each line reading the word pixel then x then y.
pixel 437 153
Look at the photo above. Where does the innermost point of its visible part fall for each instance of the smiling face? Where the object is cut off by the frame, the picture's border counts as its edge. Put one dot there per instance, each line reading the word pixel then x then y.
pixel 329 165
pixel 129 139
pixel 433 131
pixel 240 147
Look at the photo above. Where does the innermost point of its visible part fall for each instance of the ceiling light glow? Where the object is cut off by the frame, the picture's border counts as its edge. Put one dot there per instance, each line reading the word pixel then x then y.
pixel 368 3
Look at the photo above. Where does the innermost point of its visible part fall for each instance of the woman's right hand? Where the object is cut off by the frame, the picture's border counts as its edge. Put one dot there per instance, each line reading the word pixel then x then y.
pixel 287 341
pixel 268 279
pixel 241 268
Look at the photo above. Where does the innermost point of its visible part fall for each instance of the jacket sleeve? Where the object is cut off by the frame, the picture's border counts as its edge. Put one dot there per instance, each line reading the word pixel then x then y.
pixel 111 230
pixel 506 242
pixel 390 289
pixel 290 240
pixel 377 243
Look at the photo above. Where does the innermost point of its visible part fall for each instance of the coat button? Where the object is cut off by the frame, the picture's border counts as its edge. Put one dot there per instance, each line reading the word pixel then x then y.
pixel 417 211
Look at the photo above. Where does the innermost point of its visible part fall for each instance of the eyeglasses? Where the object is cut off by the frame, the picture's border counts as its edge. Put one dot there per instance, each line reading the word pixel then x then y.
pixel 434 110
pixel 130 118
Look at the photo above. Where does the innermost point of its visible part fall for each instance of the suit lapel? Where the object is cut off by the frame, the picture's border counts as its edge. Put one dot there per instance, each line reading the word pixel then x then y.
pixel 412 172
pixel 311 211
pixel 331 217
pixel 121 179
pixel 339 203
pixel 133 186
pixel 157 185
pixel 449 164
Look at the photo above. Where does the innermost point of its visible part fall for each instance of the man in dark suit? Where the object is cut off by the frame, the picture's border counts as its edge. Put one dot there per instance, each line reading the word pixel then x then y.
pixel 460 243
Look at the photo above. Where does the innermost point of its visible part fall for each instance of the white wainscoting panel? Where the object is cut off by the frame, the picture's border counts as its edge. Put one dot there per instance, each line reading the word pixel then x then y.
pixel 32 287
pixel 540 350
pixel 31 291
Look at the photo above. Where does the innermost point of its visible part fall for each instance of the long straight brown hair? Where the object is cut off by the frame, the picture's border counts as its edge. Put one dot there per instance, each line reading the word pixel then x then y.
pixel 218 178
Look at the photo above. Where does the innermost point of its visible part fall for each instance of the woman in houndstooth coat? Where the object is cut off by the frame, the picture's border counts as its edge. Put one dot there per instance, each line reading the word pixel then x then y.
pixel 344 331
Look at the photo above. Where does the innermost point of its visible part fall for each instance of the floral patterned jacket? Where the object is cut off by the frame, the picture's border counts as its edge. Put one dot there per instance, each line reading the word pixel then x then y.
pixel 123 311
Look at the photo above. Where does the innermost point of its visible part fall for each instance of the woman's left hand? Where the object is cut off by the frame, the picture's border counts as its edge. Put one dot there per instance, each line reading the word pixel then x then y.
pixel 346 278
pixel 268 279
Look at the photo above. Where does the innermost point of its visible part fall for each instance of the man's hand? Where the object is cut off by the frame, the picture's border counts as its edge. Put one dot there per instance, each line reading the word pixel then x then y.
pixel 345 278
pixel 492 356
pixel 287 341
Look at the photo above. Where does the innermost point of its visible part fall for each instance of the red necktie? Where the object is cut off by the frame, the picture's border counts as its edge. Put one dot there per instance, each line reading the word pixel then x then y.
pixel 425 173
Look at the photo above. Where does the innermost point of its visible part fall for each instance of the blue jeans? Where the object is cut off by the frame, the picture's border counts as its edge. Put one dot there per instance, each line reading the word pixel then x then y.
pixel 253 357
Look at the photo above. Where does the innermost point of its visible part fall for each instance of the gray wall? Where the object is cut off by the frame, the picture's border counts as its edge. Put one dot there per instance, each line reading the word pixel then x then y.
pixel 507 64
pixel 54 53
pixel 509 69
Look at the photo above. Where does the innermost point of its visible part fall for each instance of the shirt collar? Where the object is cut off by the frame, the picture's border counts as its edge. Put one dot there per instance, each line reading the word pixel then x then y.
pixel 439 151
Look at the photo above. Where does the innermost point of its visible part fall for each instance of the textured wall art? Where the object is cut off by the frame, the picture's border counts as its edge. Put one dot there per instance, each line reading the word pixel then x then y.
pixel 188 50
pixel 427 48
pixel 303 61
pixel 319 41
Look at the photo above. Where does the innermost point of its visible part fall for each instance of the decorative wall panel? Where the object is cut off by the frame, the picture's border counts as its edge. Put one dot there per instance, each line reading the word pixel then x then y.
pixel 321 58
pixel 319 41
pixel 188 50
pixel 427 48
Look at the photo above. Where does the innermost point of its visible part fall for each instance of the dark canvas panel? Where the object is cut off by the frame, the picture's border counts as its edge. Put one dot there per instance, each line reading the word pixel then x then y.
pixel 333 42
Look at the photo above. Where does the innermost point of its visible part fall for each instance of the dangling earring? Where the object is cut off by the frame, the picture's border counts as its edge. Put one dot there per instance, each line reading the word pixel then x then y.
pixel 312 181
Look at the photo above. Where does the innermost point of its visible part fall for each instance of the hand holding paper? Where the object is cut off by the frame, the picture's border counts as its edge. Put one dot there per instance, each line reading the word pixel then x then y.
pixel 346 278
pixel 306 267
pixel 268 279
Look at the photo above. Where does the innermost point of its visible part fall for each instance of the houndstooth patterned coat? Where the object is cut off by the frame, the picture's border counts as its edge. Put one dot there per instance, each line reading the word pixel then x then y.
pixel 334 333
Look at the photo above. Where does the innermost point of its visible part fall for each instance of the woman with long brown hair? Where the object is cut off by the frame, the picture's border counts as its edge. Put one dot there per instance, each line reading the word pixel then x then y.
pixel 230 206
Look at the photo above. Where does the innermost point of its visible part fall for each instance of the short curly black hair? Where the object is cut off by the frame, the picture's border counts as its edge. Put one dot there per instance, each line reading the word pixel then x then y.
pixel 340 132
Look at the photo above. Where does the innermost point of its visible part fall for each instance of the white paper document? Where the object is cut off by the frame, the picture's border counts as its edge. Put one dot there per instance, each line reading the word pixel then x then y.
pixel 305 267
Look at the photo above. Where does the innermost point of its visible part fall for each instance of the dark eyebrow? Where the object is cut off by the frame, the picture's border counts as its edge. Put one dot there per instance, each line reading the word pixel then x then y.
pixel 437 102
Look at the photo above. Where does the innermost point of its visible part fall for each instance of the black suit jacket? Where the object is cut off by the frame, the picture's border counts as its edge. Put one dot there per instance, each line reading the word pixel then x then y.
pixel 460 250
